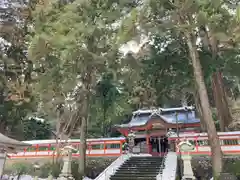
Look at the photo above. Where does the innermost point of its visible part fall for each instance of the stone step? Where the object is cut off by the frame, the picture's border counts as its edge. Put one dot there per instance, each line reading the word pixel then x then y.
pixel 138 160
pixel 140 168
pixel 151 160
pixel 136 172
pixel 133 178
pixel 146 157
pixel 143 164
pixel 133 160
pixel 136 175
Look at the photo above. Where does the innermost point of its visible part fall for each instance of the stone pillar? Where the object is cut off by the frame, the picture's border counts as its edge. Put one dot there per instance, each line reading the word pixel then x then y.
pixel 66 172
pixel 172 143
pixel 187 167
pixel 187 147
pixel 131 138
pixel 171 146
pixel 36 167
pixel 3 156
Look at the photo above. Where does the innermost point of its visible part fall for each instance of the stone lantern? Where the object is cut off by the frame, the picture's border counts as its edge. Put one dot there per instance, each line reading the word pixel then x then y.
pixel 9 147
pixel 131 138
pixel 36 167
pixel 171 144
pixel 186 147
pixel 66 172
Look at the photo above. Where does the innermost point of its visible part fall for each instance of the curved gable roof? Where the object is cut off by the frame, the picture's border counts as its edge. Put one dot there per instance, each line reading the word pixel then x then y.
pixel 170 117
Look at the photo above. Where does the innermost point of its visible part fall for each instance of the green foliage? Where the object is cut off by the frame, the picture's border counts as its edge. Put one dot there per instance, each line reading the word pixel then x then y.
pixel 50 169
pixel 167 71
pixel 71 40
pixel 238 14
pixel 232 167
pixel 107 92
pixel 76 43
pixel 100 124
pixel 16 97
pixel 21 168
pixel 35 129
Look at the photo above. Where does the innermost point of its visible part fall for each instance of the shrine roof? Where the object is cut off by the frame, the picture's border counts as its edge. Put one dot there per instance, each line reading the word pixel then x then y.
pixel 169 116
pixel 11 143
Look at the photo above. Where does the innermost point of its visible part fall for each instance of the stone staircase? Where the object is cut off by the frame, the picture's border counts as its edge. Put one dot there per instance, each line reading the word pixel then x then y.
pixel 139 168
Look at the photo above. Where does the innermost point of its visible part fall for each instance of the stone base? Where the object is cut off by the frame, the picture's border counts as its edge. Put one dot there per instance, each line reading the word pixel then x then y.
pixel 65 177
pixel 188 178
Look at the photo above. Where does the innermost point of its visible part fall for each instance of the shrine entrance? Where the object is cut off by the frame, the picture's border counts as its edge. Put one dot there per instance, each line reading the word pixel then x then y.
pixel 158 145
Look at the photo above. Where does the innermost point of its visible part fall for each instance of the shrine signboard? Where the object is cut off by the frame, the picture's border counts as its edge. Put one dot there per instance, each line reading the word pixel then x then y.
pixel 157 125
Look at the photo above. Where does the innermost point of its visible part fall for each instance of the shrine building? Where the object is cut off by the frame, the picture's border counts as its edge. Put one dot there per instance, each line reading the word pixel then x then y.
pixel 150 127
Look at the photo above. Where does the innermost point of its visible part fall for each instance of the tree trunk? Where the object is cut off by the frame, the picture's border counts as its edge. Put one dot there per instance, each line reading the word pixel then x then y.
pixel 227 113
pixel 206 111
pixel 199 110
pixel 221 103
pixel 83 132
pixel 3 122
pixel 104 120
pixel 219 92
pixel 82 148
pixel 58 140
pixel 57 150
pixel 218 102
pixel 3 126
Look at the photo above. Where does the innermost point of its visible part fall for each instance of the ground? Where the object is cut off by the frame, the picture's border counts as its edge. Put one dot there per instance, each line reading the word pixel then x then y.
pixel 94 166
pixel 202 167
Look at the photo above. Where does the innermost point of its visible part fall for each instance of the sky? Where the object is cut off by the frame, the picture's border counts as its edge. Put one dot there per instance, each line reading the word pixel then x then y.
pixel 133 45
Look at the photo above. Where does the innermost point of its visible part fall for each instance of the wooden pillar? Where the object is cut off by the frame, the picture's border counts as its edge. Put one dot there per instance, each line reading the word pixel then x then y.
pixel 148 143
pixel 159 145
pixel 171 146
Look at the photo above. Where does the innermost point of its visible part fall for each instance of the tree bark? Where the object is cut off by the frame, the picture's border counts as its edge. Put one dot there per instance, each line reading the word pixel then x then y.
pixel 221 103
pixel 82 148
pixel 206 111
pixel 219 92
pixel 57 150
pixel 199 110
pixel 85 110
pixel 3 126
